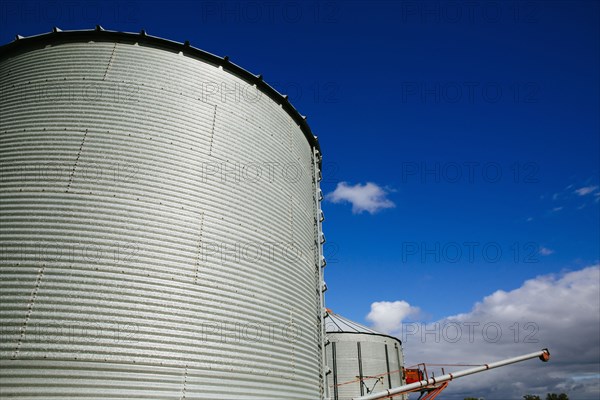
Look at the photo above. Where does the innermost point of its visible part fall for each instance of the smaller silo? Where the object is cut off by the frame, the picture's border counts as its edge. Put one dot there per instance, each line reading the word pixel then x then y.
pixel 361 360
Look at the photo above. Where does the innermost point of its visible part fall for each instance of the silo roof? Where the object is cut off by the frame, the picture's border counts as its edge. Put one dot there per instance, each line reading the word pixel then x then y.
pixel 337 323
pixel 100 34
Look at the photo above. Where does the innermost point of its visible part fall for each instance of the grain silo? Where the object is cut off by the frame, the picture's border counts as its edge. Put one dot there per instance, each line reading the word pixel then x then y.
pixel 361 360
pixel 160 225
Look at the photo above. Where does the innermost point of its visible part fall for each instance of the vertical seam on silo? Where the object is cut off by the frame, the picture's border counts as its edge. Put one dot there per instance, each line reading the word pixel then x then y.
pixel 360 370
pixel 400 366
pixel 184 385
pixel 292 220
pixel 76 161
pixel 290 136
pixel 110 61
pixel 387 364
pixel 293 341
pixel 212 131
pixel 197 267
pixel 30 305
pixel 334 362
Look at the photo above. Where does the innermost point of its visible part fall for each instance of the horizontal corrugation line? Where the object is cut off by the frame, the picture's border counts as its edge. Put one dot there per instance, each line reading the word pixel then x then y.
pixel 122 271
pixel 84 61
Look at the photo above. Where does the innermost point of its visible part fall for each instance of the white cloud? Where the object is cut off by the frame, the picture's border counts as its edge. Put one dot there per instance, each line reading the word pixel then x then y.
pixel 368 197
pixel 546 251
pixel 561 312
pixel 586 190
pixel 387 316
pixel 555 209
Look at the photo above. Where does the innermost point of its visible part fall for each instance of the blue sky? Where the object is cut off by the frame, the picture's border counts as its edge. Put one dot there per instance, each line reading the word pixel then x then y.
pixel 478 121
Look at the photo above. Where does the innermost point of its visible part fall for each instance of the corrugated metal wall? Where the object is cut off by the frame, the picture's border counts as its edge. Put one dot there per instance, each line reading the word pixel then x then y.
pixel 378 359
pixel 158 231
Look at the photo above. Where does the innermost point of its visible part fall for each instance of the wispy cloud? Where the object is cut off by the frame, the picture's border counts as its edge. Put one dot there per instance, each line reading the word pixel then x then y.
pixel 574 196
pixel 368 197
pixel 583 191
pixel 545 251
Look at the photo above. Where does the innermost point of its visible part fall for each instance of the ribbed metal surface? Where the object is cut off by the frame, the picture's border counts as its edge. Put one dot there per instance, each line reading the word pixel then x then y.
pixel 158 237
pixel 372 362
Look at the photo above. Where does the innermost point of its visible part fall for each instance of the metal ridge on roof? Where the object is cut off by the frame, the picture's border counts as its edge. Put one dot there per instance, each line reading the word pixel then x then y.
pixel 100 34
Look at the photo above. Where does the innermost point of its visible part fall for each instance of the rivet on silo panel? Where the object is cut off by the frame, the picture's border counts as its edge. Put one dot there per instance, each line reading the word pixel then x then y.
pixel 320 195
pixel 322 238
pixel 321 216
